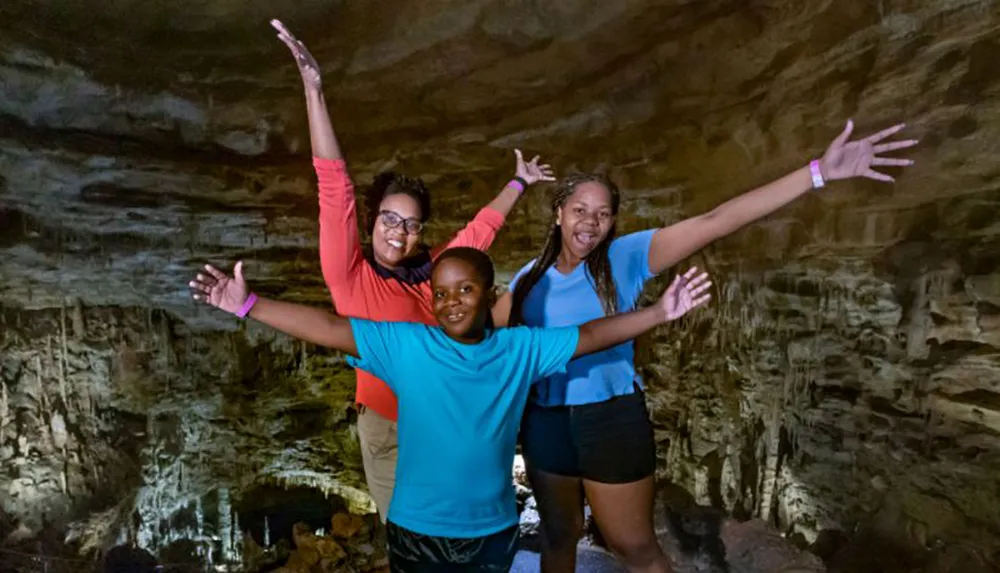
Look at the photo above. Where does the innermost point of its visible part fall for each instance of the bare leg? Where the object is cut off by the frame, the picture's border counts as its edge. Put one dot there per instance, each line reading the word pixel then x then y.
pixel 624 513
pixel 560 505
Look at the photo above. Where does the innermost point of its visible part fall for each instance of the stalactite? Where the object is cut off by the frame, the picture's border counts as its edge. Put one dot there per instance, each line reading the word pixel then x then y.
pixel 63 353
pixel 4 409
pixel 267 533
pixel 77 318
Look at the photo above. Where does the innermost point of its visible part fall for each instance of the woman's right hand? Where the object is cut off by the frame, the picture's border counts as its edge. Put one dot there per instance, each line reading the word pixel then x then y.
pixel 221 291
pixel 307 63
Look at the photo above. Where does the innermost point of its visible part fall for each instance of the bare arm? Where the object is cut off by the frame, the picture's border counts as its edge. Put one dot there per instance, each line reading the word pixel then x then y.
pixel 531 172
pixel 609 331
pixel 841 160
pixel 480 232
pixel 501 310
pixel 303 322
pixel 306 323
pixel 321 135
pixel 679 241
pixel 684 294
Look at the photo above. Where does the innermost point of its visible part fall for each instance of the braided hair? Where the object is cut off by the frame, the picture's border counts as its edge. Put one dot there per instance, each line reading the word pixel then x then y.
pixel 598 262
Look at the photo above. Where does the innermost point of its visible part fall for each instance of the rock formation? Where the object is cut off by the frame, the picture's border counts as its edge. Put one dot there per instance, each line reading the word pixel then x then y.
pixel 844 387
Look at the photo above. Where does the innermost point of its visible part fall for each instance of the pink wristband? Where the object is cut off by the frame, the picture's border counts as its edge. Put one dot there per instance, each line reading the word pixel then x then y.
pixel 516 185
pixel 247 305
pixel 817 175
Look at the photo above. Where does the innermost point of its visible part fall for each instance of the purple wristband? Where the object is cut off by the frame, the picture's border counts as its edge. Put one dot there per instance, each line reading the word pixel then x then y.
pixel 516 184
pixel 251 300
pixel 817 174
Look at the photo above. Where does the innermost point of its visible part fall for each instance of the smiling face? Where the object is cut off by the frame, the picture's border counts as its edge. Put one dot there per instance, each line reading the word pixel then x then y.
pixel 396 235
pixel 585 218
pixel 462 299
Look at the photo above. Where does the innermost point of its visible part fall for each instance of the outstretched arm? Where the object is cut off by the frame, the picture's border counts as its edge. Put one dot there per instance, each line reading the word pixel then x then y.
pixel 482 230
pixel 303 322
pixel 684 294
pixel 842 160
pixel 339 238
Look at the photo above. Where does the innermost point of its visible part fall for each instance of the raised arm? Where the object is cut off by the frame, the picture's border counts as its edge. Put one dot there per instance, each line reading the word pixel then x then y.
pixel 842 160
pixel 684 294
pixel 339 238
pixel 321 135
pixel 482 230
pixel 303 322
pixel 501 310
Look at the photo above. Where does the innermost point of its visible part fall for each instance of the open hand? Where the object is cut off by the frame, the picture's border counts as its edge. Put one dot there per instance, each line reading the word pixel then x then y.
pixel 531 171
pixel 845 159
pixel 307 63
pixel 685 293
pixel 219 290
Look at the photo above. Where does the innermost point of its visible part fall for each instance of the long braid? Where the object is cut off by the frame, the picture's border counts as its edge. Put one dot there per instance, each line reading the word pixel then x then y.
pixel 598 261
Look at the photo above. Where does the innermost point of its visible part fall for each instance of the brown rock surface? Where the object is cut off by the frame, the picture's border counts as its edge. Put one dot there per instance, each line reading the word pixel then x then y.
pixel 847 376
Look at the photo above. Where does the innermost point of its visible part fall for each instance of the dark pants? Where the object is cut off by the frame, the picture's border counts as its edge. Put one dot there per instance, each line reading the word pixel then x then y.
pixel 411 552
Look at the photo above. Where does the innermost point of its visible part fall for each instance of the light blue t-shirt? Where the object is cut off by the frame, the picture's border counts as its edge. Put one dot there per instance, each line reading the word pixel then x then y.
pixel 460 408
pixel 572 300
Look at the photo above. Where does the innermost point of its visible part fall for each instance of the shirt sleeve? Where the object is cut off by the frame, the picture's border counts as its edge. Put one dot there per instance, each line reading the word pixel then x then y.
pixel 378 346
pixel 630 262
pixel 553 348
pixel 479 233
pixel 339 239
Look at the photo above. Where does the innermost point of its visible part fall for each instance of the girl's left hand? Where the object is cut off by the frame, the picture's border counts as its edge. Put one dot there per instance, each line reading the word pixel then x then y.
pixel 845 159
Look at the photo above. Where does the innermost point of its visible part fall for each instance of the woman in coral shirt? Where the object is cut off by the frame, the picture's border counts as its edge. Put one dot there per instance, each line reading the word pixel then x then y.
pixel 390 279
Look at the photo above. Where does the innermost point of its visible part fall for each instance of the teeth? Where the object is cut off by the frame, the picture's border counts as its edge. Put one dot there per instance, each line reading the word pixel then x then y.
pixel 395 243
pixel 458 316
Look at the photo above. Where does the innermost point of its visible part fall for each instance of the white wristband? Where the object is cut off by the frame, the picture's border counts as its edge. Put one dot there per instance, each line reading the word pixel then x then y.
pixel 817 175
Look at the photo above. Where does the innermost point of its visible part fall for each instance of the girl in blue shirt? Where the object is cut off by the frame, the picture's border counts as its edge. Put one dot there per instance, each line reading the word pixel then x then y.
pixel 586 431
pixel 462 387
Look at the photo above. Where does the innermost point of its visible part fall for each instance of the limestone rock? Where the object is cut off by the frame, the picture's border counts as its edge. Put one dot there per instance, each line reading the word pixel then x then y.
pixel 845 380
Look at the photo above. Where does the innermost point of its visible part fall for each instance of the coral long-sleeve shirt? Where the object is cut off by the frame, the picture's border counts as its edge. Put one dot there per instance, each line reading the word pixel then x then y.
pixel 357 289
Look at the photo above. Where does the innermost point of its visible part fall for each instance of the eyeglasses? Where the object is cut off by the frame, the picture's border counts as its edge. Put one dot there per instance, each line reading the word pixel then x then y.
pixel 392 220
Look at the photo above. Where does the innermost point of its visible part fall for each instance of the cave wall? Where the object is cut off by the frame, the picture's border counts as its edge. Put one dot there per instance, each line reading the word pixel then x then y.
pixel 845 377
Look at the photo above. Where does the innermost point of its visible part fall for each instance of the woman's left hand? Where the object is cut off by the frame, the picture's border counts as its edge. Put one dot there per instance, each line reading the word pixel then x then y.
pixel 531 171
pixel 845 159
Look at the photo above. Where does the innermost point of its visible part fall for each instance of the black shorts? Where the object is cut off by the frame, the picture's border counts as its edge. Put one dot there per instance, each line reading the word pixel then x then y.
pixel 606 442
pixel 411 552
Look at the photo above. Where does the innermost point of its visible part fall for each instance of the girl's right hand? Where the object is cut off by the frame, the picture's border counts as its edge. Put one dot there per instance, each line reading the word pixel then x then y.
pixel 307 64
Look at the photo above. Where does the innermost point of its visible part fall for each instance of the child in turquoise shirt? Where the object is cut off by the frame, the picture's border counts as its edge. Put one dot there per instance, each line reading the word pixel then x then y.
pixel 462 388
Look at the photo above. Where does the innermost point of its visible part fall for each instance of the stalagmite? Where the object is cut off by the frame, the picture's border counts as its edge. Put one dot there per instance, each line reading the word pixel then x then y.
pixel 199 515
pixel 225 525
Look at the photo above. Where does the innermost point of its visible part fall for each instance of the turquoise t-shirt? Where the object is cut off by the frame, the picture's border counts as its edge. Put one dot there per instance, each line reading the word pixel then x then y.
pixel 460 408
pixel 571 300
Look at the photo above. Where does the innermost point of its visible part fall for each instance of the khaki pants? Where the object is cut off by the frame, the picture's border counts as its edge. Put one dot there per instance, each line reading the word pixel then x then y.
pixel 378 453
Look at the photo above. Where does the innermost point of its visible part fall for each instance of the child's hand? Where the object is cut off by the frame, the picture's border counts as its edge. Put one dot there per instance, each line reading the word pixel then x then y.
pixel 219 290
pixel 685 294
